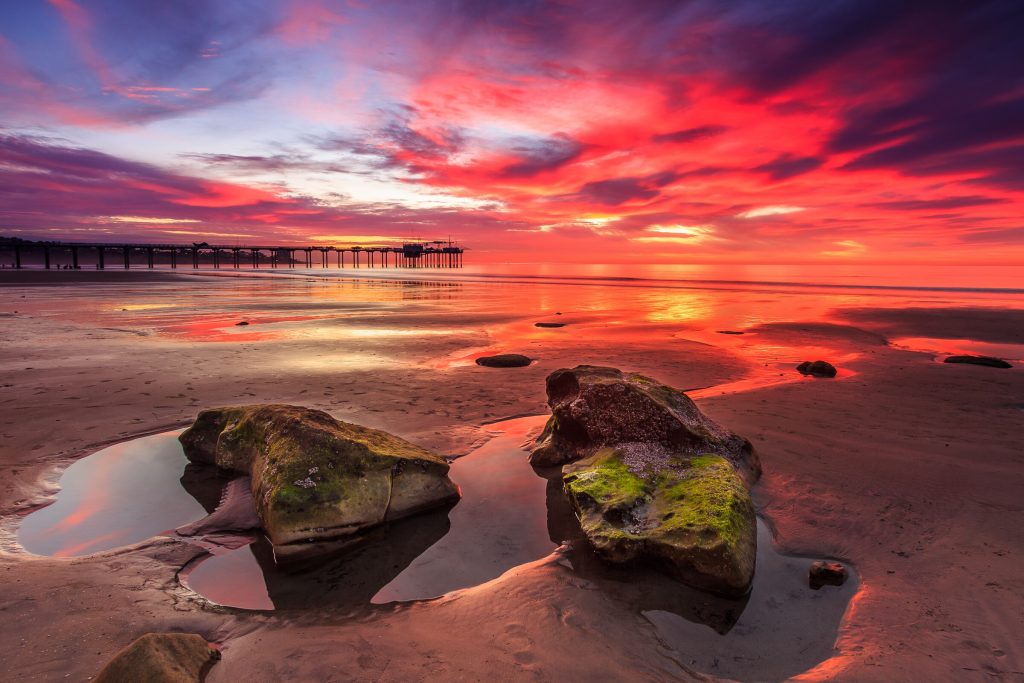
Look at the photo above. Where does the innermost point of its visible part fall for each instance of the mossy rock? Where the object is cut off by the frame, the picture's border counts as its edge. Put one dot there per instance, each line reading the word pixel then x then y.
pixel 161 658
pixel 690 515
pixel 596 407
pixel 315 478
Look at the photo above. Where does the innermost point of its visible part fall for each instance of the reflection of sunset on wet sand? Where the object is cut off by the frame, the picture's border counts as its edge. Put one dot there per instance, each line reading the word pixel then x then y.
pixel 514 341
pixel 398 353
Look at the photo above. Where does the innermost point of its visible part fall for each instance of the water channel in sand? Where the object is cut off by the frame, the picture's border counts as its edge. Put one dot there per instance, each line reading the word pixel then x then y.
pixel 509 515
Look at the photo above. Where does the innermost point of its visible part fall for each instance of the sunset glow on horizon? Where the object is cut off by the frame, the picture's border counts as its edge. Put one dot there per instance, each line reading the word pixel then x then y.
pixel 791 132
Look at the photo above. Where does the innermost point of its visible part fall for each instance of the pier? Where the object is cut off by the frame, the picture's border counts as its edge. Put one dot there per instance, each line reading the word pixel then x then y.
pixel 435 254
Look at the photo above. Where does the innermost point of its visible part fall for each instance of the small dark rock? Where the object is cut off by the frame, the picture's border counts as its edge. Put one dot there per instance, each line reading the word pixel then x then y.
pixel 240 324
pixel 729 332
pixel 504 360
pixel 818 368
pixel 824 573
pixel 549 324
pixel 987 361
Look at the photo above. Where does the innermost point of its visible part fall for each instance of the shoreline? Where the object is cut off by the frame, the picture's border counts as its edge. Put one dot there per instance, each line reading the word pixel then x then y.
pixel 34 275
pixel 838 457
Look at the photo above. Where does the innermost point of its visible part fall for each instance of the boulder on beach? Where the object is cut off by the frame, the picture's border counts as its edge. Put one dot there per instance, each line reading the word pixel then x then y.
pixel 822 573
pixel 315 478
pixel 987 361
pixel 593 407
pixel 161 658
pixel 818 368
pixel 691 515
pixel 504 360
pixel 651 478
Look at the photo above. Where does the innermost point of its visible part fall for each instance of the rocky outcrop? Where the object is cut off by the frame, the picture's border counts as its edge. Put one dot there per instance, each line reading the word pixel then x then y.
pixel 315 478
pixel 818 368
pixel 987 361
pixel 651 478
pixel 692 515
pixel 504 360
pixel 594 407
pixel 161 658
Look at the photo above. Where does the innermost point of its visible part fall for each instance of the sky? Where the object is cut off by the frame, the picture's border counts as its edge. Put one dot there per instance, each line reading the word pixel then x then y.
pixel 573 130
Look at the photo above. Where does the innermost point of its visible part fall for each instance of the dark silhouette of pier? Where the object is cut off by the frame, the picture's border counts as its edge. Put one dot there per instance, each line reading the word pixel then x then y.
pixel 435 254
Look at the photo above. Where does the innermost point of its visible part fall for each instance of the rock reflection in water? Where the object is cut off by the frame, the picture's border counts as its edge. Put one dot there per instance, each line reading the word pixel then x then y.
pixel 641 588
pixel 334 576
pixel 779 629
pixel 498 524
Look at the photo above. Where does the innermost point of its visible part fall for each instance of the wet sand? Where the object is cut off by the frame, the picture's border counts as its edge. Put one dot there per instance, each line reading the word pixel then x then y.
pixel 911 470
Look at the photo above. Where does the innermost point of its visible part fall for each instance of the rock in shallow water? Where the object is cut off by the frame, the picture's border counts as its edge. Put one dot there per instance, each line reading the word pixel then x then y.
pixel 161 658
pixel 822 573
pixel 690 514
pixel 987 361
pixel 315 478
pixel 504 360
pixel 593 407
pixel 651 478
pixel 818 368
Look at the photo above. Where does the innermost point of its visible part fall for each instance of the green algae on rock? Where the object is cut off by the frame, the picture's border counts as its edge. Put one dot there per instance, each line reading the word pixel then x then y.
pixel 651 478
pixel 315 478
pixel 691 515
pixel 593 407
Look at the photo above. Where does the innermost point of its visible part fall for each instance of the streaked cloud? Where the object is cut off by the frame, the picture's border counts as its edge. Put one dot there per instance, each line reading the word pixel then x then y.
pixel 797 130
pixel 777 210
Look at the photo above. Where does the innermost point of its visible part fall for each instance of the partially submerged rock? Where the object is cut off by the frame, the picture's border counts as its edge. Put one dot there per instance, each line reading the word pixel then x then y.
pixel 161 658
pixel 822 573
pixel 987 361
pixel 504 360
pixel 550 324
pixel 315 478
pixel 651 478
pixel 594 407
pixel 818 368
pixel 690 514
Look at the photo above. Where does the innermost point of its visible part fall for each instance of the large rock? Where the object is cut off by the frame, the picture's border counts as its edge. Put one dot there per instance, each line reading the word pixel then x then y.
pixel 315 478
pixel 161 658
pixel 651 478
pixel 594 407
pixel 692 515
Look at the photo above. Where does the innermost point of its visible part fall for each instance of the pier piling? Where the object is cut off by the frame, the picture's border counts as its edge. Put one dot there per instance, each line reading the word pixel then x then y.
pixel 437 254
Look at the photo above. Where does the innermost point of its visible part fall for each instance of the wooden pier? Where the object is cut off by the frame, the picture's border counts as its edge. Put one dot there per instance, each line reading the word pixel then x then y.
pixel 436 254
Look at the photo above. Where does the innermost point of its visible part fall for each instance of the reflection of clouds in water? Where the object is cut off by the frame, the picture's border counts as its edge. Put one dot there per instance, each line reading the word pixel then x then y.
pixel 960 346
pixel 335 332
pixel 334 361
pixel 678 307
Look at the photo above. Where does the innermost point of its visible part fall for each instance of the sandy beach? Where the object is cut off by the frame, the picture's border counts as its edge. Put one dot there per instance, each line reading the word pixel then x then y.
pixel 909 470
